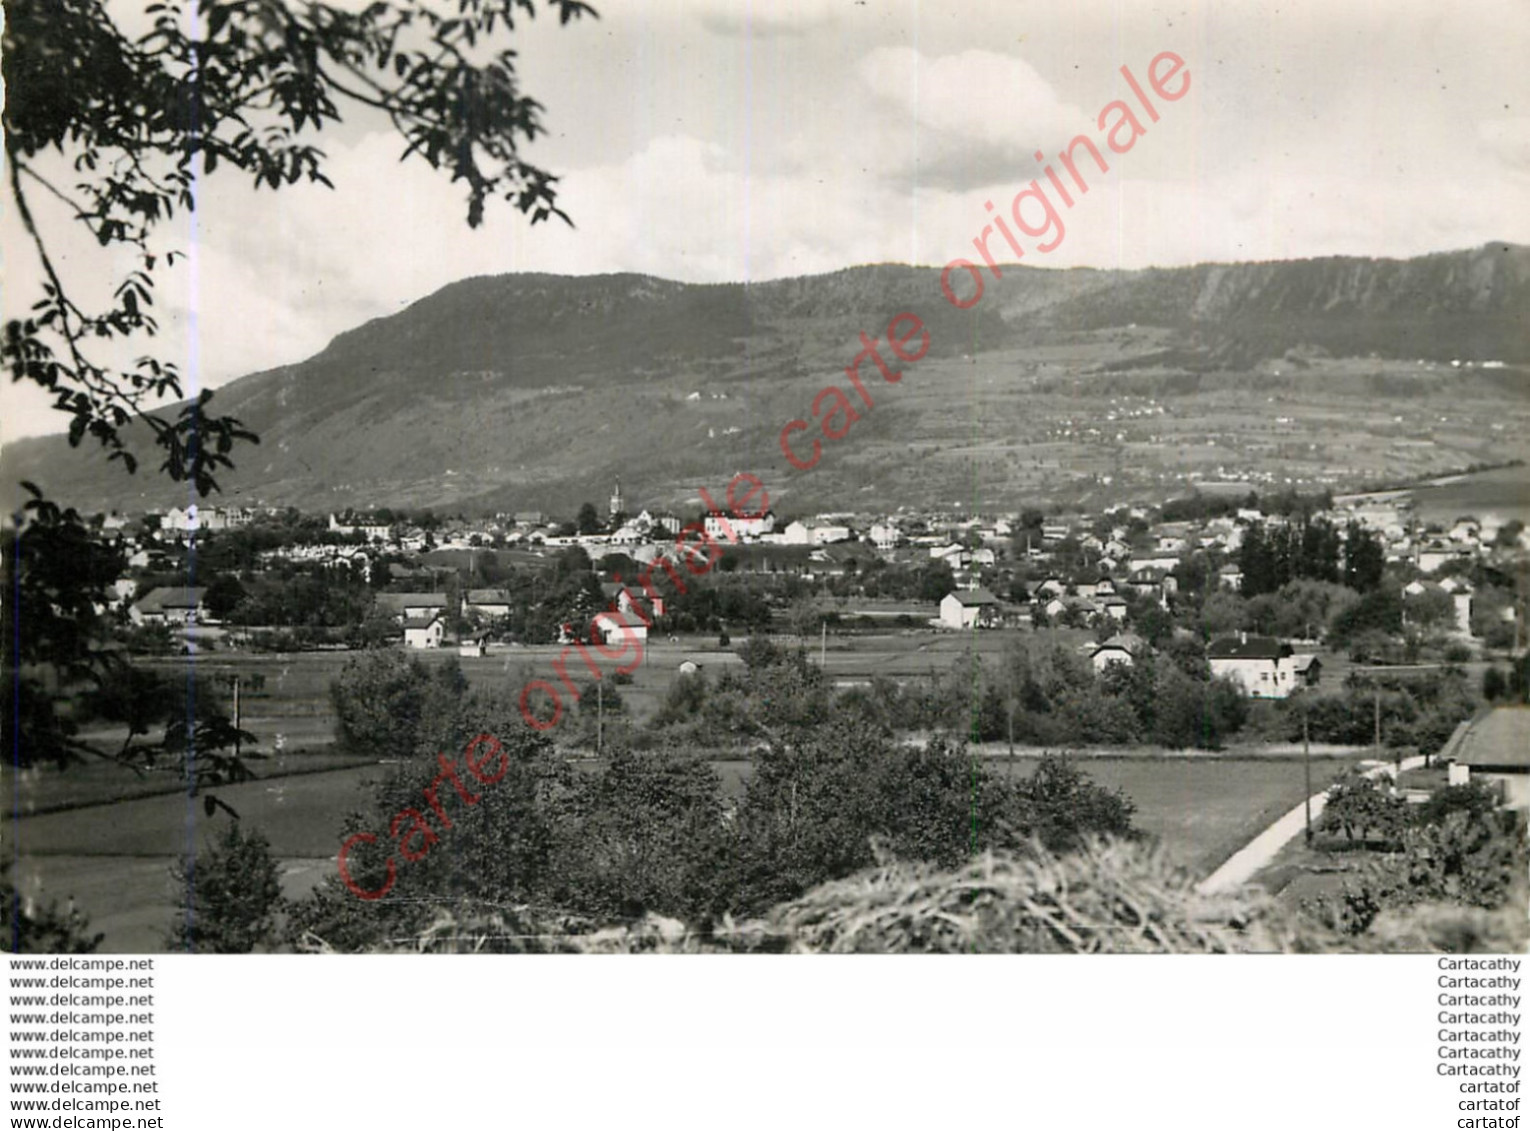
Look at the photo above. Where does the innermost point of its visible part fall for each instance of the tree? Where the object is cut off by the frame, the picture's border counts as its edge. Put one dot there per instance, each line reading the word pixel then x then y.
pixel 121 130
pixel 56 570
pixel 588 520
pixel 387 702
pixel 1431 609
pixel 642 836
pixel 229 895
pixel 1359 806
pixel 1365 558
pixel 223 596
pixel 1379 611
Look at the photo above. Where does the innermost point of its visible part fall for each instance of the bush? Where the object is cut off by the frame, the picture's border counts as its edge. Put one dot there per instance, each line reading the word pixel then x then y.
pixel 31 928
pixel 1465 858
pixel 229 896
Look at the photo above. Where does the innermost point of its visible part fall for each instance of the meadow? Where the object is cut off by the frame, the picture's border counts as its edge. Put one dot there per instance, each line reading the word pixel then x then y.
pixel 106 837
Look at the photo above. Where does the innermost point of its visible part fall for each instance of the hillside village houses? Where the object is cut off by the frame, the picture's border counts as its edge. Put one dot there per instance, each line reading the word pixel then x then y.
pixel 372 531
pixel 192 518
pixel 719 527
pixel 1095 567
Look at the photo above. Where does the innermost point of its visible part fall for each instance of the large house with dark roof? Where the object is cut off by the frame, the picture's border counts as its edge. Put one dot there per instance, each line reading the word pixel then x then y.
pixel 411 606
pixel 170 606
pixel 1266 668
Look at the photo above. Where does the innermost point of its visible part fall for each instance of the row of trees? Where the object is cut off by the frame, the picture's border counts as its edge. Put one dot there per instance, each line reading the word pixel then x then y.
pixel 1313 550
pixel 1036 694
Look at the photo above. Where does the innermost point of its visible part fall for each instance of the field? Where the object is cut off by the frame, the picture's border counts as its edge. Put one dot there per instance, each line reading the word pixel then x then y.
pixel 114 860
pixel 1504 492
pixel 291 714
pixel 107 837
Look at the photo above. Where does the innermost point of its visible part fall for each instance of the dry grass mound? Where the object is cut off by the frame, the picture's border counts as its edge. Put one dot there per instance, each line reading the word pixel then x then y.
pixel 1112 897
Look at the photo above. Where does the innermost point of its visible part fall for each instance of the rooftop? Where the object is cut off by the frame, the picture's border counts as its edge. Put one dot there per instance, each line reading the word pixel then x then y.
pixel 973 597
pixel 1246 647
pixel 1499 740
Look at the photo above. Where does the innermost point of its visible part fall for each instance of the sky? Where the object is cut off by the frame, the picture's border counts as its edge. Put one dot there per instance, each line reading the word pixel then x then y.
pixel 746 140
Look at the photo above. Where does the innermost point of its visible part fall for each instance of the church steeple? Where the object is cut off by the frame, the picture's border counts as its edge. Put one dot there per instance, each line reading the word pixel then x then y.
pixel 617 506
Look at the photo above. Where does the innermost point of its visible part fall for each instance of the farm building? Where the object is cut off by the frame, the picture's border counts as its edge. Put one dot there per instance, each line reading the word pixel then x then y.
pixel 615 629
pixel 170 606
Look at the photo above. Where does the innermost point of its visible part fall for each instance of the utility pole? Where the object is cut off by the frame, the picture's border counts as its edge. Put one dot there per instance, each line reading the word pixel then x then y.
pixel 236 716
pixel 600 717
pixel 1307 772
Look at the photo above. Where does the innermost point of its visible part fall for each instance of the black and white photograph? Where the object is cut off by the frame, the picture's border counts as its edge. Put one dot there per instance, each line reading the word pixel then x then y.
pixel 717 478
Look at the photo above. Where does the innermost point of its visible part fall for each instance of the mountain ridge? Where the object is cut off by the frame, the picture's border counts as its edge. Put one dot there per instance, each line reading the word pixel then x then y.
pixel 538 387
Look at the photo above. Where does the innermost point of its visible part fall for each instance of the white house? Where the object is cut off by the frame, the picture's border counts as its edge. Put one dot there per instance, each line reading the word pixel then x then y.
pixel 1496 749
pixel 717 526
pixel 826 535
pixel 616 629
pixel 1264 667
pixel 969 608
pixel 1119 649
pixel 1433 555
pixel 424 631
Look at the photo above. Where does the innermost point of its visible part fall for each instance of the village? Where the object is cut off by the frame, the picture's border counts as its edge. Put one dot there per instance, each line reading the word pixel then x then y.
pixel 1019 571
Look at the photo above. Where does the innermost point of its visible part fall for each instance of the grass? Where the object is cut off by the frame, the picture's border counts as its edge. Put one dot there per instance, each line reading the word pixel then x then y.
pixel 1203 810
